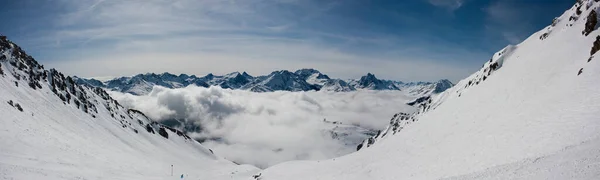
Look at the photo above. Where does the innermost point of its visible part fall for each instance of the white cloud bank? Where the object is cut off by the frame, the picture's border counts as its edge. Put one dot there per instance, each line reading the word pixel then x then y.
pixel 268 128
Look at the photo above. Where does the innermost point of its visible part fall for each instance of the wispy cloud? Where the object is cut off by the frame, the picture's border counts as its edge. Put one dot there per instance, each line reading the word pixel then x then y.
pixel 115 38
pixel 513 20
pixel 504 16
pixel 451 5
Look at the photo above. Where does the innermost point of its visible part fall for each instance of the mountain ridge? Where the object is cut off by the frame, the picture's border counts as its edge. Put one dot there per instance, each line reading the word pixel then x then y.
pixel 282 80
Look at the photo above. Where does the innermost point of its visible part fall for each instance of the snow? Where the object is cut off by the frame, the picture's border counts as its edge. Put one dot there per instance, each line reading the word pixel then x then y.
pixel 532 118
pixel 579 161
pixel 51 139
pixel 527 114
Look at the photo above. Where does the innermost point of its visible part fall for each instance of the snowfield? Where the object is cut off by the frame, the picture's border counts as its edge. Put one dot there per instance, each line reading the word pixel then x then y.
pixel 532 118
pixel 531 112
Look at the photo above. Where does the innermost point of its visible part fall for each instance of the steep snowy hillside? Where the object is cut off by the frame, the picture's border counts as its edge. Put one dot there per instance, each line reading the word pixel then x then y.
pixel 300 80
pixel 53 128
pixel 531 112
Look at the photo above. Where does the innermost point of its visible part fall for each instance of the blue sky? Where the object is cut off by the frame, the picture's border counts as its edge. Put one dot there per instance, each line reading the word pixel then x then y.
pixel 409 40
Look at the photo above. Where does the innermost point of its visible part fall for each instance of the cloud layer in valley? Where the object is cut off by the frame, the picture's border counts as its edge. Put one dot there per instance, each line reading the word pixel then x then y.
pixel 268 128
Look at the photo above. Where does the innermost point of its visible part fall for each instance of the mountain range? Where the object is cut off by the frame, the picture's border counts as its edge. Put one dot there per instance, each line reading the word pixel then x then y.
pixel 283 80
pixel 530 112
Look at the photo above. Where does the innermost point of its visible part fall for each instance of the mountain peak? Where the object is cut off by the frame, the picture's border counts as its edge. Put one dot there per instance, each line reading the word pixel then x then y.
pixel 246 74
pixel 367 79
pixel 369 76
pixel 307 71
pixel 445 81
pixel 209 76
pixel 371 82
pixel 442 85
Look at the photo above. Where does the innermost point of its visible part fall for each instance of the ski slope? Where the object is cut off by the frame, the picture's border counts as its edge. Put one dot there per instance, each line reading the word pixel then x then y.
pixel 95 138
pixel 533 117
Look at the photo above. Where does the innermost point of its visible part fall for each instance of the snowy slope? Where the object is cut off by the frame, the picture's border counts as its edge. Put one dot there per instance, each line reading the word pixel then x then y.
pixel 53 128
pixel 529 113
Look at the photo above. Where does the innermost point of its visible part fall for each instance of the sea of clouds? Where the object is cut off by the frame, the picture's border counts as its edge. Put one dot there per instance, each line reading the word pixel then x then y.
pixel 264 129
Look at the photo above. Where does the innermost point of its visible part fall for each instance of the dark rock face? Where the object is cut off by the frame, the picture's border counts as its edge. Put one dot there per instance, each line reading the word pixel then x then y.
pixel 596 46
pixel 590 24
pixel 419 100
pixel 359 147
pixel 442 85
pixel 365 81
pixel 163 132
pixel 149 129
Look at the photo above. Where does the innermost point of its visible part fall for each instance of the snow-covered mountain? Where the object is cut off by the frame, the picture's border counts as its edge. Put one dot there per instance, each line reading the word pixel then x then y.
pixel 300 80
pixel 55 128
pixel 233 80
pixel 312 76
pixel 420 89
pixel 531 112
pixel 143 83
pixel 371 82
pixel 337 85
pixel 281 81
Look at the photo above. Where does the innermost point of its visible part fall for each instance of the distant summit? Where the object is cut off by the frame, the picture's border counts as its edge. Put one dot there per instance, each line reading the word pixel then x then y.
pixel 442 85
pixel 371 82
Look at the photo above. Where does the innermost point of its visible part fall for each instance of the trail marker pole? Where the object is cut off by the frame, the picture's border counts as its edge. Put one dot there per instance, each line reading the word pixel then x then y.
pixel 171 170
